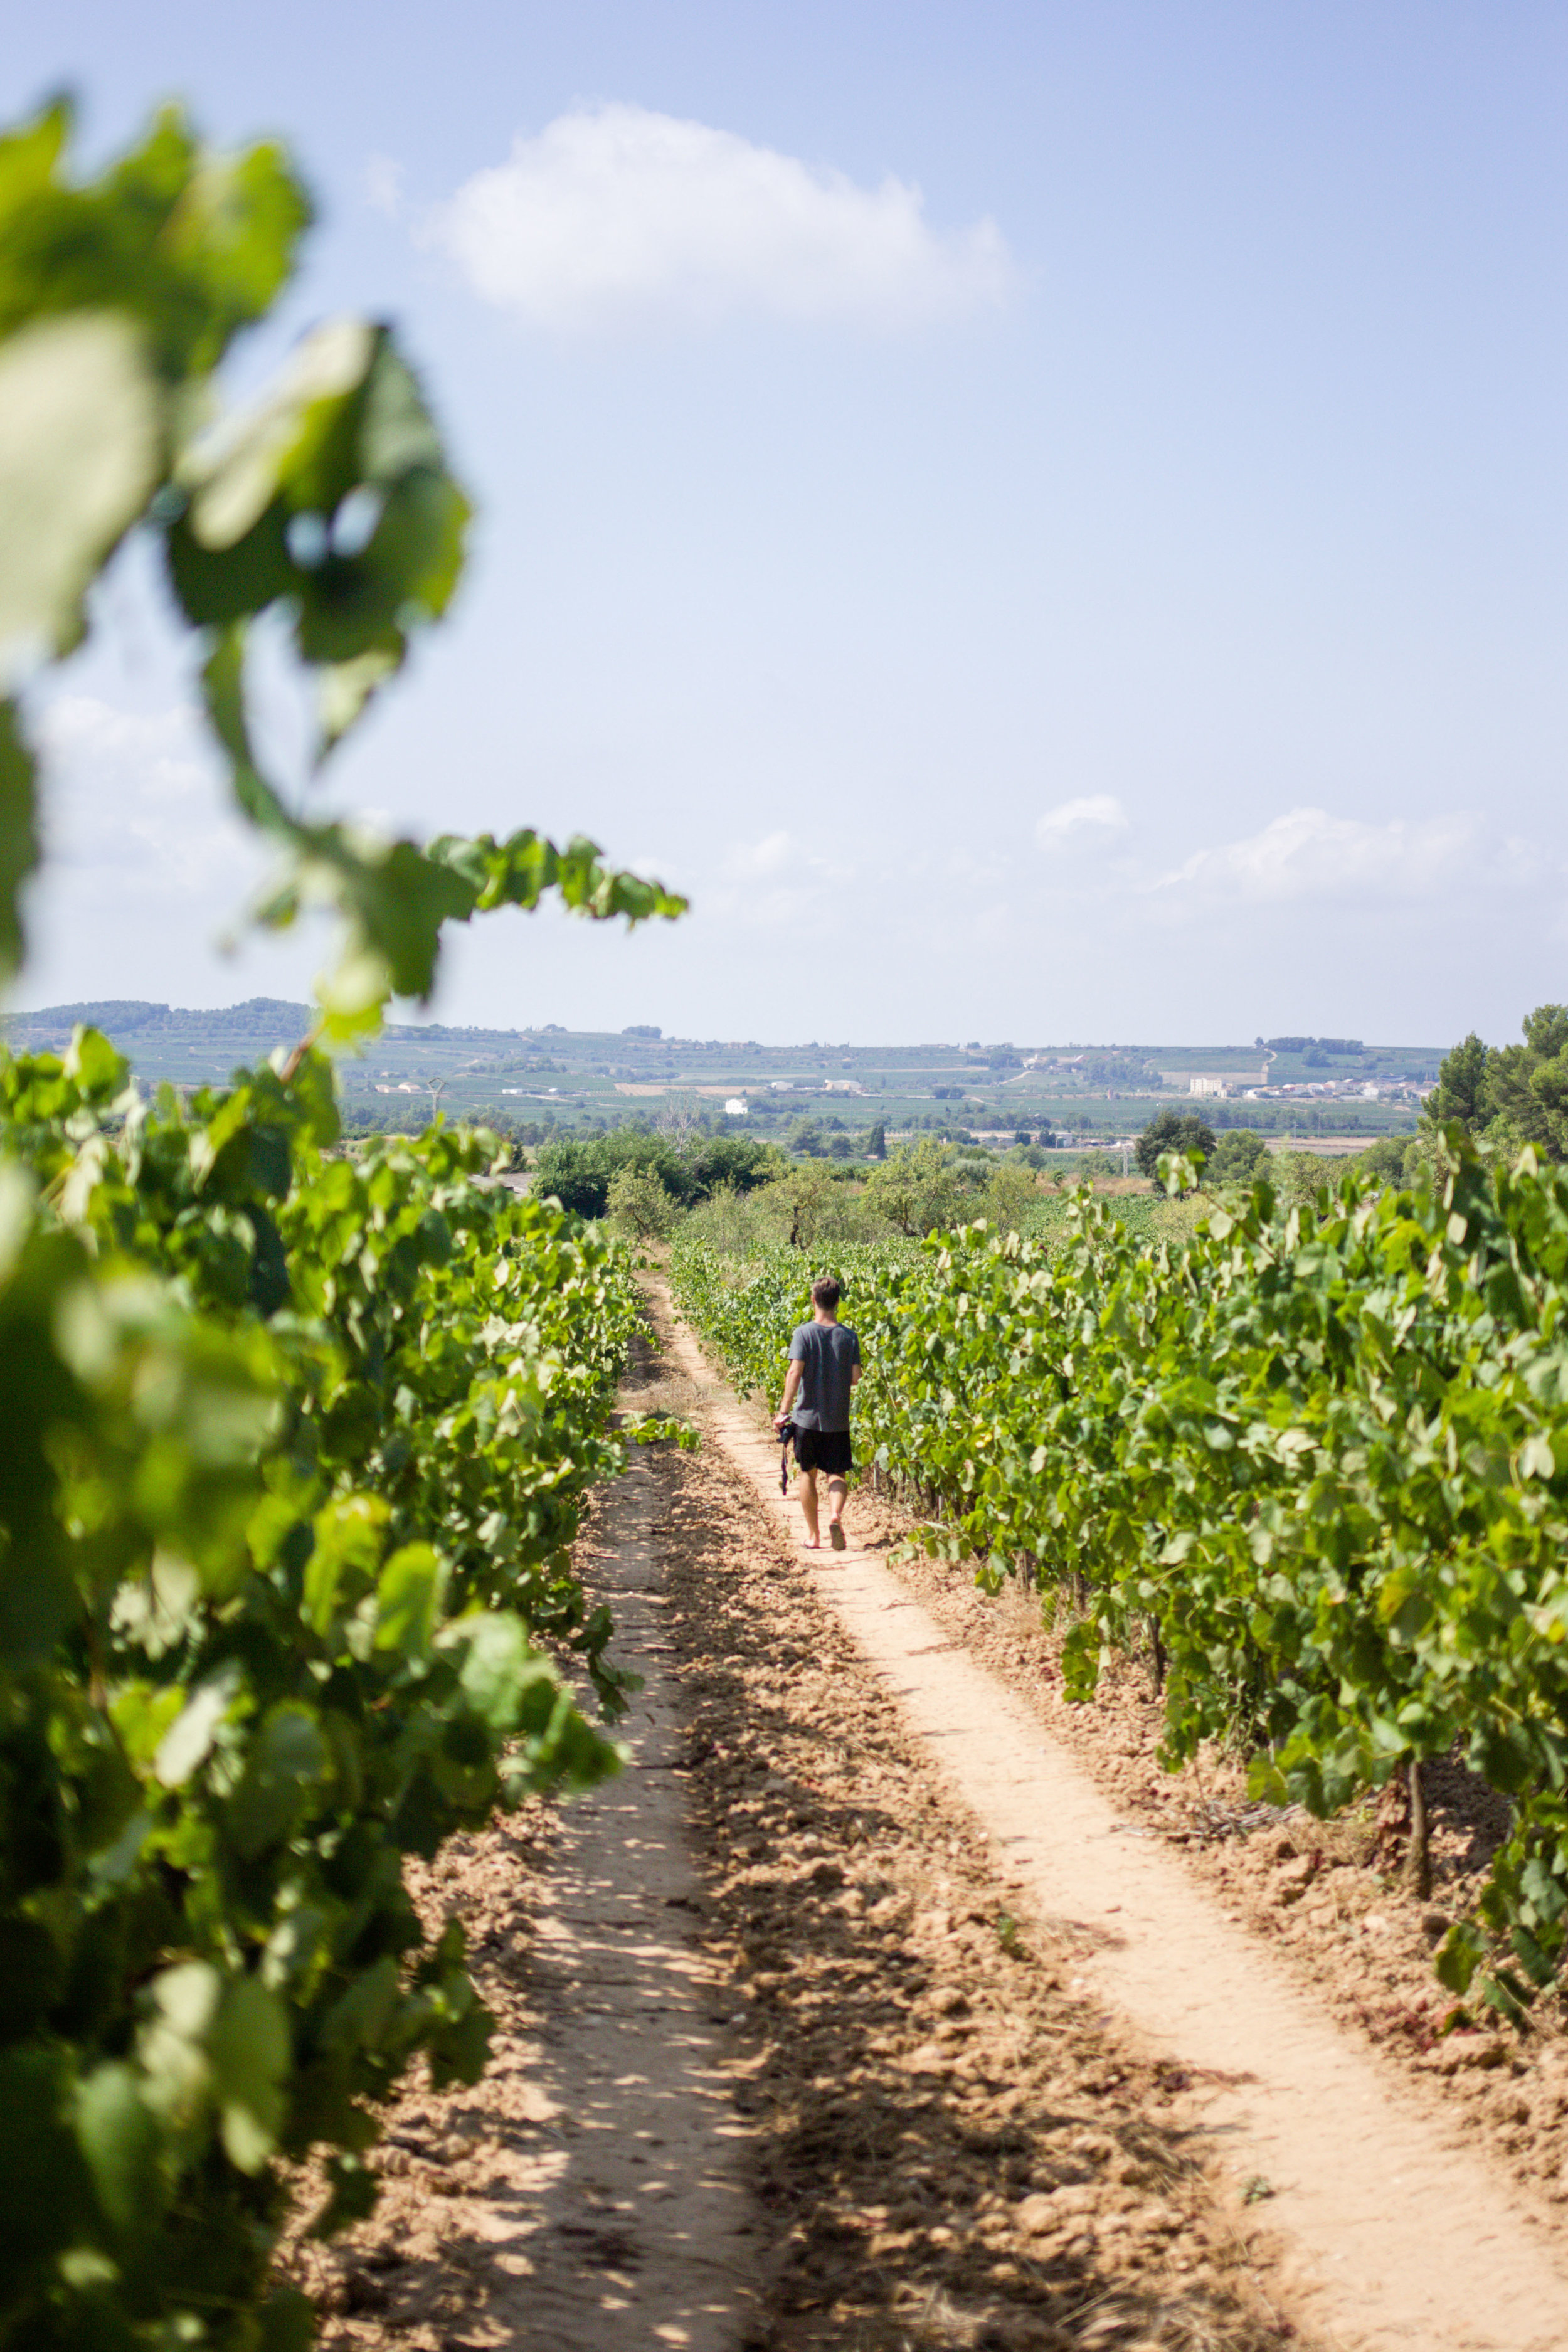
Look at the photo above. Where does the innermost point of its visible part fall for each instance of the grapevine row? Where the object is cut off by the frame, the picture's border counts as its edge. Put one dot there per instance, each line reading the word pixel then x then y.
pixel 1323 1456
pixel 295 1452
pixel 292 1448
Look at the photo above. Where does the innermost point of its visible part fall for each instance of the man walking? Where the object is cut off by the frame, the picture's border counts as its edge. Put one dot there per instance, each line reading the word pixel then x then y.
pixel 824 1367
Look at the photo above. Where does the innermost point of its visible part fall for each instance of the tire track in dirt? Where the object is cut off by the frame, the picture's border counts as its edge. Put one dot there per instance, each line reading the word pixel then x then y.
pixel 955 2152
pixel 1403 2237
pixel 590 2193
pixel 773 2070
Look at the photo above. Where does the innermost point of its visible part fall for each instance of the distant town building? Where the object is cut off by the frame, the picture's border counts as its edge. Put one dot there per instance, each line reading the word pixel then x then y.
pixel 1216 1086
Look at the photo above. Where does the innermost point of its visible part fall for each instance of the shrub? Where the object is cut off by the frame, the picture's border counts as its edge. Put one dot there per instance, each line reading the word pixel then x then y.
pixel 1009 1197
pixel 578 1173
pixel 641 1204
pixel 811 1207
pixel 1236 1156
pixel 1299 1177
pixel 730 1224
pixel 916 1190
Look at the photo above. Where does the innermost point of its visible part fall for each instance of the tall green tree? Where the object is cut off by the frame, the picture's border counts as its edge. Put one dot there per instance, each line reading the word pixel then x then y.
pixel 1510 1095
pixel 1460 1091
pixel 1236 1159
pixel 1174 1130
pixel 1527 1085
pixel 917 1188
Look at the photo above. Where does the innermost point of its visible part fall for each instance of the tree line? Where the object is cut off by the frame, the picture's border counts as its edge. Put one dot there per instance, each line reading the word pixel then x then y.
pixel 1505 1097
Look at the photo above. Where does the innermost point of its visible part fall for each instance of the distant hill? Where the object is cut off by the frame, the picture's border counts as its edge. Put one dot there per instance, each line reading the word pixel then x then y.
pixel 547 1079
pixel 133 1016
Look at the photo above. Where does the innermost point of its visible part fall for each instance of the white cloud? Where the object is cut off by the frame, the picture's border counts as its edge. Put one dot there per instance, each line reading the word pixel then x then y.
pixel 136 800
pixel 618 217
pixel 1091 823
pixel 773 884
pixel 147 865
pixel 383 182
pixel 1308 855
pixel 752 861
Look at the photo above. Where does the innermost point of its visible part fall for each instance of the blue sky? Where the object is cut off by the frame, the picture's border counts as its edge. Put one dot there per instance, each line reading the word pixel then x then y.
pixel 1046 521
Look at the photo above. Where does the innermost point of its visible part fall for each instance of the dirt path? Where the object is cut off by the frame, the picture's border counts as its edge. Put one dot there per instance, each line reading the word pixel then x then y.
pixel 953 2152
pixel 1401 2237
pixel 591 2193
pixel 647 2188
pixel 774 2071
pixel 1328 1898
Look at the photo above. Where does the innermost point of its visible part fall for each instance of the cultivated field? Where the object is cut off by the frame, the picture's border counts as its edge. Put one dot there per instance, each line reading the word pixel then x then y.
pixel 576 1079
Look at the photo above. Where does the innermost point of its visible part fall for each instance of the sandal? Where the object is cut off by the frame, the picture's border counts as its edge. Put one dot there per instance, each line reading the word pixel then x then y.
pixel 835 1535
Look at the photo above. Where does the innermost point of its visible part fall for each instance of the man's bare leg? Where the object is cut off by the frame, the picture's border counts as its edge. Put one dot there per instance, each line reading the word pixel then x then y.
pixel 838 1495
pixel 808 1504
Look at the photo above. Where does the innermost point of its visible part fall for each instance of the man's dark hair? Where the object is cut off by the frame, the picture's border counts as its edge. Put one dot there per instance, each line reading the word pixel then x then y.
pixel 825 1292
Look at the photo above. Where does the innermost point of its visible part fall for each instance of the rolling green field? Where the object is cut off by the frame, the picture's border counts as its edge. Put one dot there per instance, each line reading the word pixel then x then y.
pixel 579 1079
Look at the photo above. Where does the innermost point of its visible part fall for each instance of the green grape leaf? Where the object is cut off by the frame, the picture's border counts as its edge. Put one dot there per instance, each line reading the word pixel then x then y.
pixel 92 1062
pixel 171 2048
pixel 29 160
pixel 408 1598
pixel 235 472
pixel 348 1539
pixel 500 1667
pixel 288 2321
pixel 18 832
pixel 521 870
pixel 288 1759
pixel 331 493
pixel 44 2188
pixel 123 2141
pixel 249 2049
pixel 81 428
pixel 188 1740
pixel 191 243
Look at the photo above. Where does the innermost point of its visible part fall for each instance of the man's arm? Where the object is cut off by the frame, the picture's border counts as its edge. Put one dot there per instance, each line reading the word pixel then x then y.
pixel 854 1376
pixel 792 1384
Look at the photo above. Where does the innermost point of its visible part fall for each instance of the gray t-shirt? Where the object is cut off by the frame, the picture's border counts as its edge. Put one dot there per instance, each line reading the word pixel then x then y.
pixel 826 1354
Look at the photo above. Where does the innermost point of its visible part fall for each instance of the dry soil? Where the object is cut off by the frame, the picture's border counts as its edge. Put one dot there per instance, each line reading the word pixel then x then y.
pixel 794 2049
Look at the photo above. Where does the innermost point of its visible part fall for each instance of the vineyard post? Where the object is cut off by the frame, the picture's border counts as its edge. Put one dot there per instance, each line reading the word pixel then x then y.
pixel 1418 1855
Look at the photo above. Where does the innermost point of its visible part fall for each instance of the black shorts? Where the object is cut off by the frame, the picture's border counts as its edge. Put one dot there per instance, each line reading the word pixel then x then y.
pixel 823 1449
